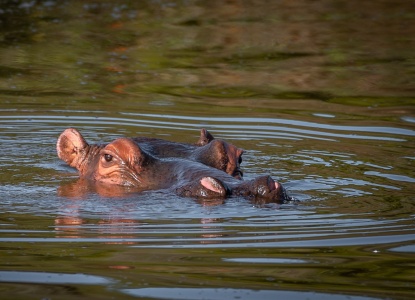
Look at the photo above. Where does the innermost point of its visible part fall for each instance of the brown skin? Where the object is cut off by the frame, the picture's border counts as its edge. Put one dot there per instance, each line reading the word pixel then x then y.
pixel 220 155
pixel 207 150
pixel 124 163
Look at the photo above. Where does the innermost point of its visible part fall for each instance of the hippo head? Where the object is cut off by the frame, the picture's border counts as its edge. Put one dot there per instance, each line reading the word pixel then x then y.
pixel 119 162
pixel 222 156
pixel 219 154
pixel 122 162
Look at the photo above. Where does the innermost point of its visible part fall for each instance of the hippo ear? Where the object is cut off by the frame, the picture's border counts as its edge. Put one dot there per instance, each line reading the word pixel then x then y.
pixel 70 145
pixel 205 138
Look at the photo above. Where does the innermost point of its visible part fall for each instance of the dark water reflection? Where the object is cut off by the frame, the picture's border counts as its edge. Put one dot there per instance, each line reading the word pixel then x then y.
pixel 319 94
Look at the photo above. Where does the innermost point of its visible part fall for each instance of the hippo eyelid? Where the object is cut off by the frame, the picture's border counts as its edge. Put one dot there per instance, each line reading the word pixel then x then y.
pixel 108 157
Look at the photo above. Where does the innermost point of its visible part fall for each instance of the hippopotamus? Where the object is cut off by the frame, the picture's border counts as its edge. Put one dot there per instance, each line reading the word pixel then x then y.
pixel 207 150
pixel 124 162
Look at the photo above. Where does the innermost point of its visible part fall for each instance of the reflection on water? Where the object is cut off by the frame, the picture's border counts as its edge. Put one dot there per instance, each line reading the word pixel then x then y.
pixel 318 94
pixel 51 278
pixel 215 50
pixel 354 207
pixel 267 260
pixel 213 294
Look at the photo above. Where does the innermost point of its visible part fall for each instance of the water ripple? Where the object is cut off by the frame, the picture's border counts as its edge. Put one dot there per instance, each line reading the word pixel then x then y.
pixel 227 293
pixel 52 278
pixel 373 129
pixel 293 230
pixel 393 177
pixel 253 127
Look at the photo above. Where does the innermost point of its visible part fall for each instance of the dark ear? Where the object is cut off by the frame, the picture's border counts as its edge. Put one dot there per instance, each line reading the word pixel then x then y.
pixel 205 138
pixel 69 146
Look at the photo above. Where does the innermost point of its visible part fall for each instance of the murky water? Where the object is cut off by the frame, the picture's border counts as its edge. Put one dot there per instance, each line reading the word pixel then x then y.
pixel 319 94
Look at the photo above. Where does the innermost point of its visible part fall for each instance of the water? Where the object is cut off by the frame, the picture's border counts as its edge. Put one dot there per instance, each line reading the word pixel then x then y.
pixel 320 95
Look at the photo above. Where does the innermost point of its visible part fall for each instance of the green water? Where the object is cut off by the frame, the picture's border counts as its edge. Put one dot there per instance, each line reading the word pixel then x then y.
pixel 319 94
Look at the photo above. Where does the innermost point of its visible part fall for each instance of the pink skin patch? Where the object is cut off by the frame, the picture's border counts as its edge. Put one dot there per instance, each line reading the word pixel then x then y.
pixel 273 185
pixel 277 185
pixel 211 184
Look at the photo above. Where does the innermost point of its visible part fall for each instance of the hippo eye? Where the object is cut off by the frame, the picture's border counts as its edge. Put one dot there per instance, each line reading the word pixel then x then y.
pixel 108 157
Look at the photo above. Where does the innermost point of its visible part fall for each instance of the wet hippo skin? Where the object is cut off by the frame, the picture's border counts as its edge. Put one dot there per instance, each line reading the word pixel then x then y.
pixel 207 150
pixel 124 162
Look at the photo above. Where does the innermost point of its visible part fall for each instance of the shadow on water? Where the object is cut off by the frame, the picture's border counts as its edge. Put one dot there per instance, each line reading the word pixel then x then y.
pixel 319 95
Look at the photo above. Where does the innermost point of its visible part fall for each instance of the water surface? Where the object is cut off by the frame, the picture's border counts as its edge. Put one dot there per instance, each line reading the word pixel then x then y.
pixel 320 95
